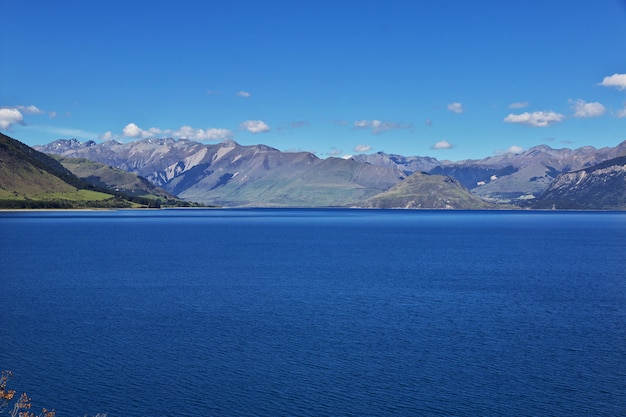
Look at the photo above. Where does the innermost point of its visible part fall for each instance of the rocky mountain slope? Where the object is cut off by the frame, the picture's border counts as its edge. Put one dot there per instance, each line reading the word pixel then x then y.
pixel 601 186
pixel 229 174
pixel 509 177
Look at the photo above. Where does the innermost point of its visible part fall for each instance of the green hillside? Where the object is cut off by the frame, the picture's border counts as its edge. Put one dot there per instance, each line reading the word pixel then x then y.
pixel 31 179
pixel 422 190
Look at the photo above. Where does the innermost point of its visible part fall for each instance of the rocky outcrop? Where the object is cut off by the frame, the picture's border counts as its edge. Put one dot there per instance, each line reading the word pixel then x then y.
pixel 599 187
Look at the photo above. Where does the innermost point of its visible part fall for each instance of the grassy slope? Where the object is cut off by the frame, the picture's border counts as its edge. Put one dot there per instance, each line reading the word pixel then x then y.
pixel 31 179
pixel 427 191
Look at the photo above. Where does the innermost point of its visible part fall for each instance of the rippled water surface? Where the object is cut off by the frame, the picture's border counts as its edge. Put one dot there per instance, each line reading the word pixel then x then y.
pixel 315 312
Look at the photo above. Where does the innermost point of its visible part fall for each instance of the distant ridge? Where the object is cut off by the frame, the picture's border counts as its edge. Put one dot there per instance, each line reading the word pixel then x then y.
pixel 599 187
pixel 232 175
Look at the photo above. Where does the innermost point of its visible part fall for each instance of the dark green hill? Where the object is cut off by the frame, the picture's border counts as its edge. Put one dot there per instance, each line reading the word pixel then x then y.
pixel 31 179
pixel 421 190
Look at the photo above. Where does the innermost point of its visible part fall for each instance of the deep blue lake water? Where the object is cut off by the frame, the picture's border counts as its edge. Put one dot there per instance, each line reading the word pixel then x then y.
pixel 315 312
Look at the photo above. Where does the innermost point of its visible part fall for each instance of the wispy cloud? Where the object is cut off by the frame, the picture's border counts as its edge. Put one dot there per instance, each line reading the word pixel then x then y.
pixel 621 113
pixel 255 126
pixel 243 94
pixel 29 109
pixel 442 144
pixel 519 105
pixel 535 119
pixel 298 124
pixel 456 107
pixel 68 132
pixel 616 80
pixel 362 148
pixel 293 125
pixel 378 126
pixel 582 109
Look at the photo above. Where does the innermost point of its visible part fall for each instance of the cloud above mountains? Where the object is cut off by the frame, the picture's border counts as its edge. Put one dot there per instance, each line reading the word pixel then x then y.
pixel 12 115
pixel 131 130
pixel 9 117
pixel 582 109
pixel 535 119
pixel 442 144
pixel 255 126
pixel 362 148
pixel 379 126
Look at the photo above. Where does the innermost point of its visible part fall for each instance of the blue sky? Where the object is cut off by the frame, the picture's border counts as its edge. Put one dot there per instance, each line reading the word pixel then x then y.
pixel 452 79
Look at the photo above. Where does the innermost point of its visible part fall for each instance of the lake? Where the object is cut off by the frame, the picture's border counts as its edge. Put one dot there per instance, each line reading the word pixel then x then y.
pixel 315 312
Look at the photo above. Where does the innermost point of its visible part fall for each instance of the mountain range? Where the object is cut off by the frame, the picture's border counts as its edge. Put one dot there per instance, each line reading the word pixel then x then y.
pixel 229 174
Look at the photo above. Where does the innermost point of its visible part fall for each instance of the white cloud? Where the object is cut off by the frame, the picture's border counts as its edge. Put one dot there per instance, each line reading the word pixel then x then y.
pixel 519 105
pixel 512 149
pixel 187 132
pixel 15 115
pixel 442 144
pixel 131 130
pixel 620 114
pixel 255 126
pixel 9 117
pixel 535 119
pixel 615 80
pixel 582 109
pixel 379 126
pixel 362 148
pixel 244 94
pixel 456 107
